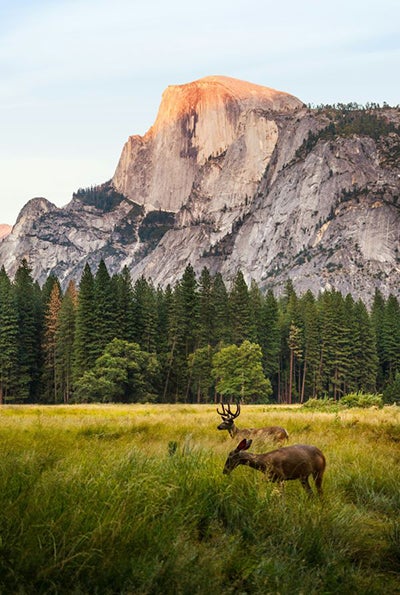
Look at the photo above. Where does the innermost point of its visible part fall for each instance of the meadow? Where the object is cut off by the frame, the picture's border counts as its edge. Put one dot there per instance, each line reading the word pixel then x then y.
pixel 131 499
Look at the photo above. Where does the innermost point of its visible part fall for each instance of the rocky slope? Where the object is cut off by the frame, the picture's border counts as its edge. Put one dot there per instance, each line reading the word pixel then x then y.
pixel 234 175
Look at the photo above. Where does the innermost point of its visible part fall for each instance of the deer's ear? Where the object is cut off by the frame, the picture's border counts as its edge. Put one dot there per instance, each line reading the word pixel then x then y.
pixel 244 444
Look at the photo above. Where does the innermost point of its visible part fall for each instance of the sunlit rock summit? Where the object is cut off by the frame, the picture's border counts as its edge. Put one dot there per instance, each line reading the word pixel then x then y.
pixel 217 129
pixel 235 175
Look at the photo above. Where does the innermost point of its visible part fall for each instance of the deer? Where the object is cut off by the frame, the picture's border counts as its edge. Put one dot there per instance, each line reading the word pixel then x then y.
pixel 288 462
pixel 272 433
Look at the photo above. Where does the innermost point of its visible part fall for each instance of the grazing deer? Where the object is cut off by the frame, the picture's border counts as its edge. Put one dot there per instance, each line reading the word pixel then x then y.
pixel 289 462
pixel 274 433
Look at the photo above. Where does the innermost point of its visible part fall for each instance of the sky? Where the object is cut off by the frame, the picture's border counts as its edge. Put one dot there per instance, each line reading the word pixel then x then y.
pixel 78 77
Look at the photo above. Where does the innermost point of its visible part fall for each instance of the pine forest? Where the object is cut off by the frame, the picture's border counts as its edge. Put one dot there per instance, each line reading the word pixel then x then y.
pixel 109 339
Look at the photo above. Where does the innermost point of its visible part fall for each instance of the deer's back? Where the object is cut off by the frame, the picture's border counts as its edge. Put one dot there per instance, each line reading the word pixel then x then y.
pixel 294 462
pixel 275 433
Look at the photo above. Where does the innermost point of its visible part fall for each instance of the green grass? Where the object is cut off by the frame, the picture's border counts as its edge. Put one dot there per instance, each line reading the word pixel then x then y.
pixel 131 499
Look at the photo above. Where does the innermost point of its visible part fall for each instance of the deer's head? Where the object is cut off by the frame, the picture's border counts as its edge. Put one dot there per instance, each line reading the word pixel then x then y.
pixel 228 416
pixel 235 457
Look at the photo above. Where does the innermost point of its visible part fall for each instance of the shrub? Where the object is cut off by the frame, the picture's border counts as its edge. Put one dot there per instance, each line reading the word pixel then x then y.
pixel 360 399
pixel 318 404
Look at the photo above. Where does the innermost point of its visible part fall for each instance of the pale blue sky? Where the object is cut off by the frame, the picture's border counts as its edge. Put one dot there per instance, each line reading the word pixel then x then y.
pixel 78 77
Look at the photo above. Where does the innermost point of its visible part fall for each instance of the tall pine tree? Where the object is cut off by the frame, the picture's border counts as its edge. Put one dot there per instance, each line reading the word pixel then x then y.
pixel 86 345
pixel 8 338
pixel 65 340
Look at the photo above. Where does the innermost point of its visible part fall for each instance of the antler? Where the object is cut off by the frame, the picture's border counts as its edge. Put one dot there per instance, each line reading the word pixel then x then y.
pixel 226 412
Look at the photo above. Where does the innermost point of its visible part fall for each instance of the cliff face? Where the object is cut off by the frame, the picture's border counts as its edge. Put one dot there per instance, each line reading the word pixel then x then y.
pixel 195 123
pixel 234 175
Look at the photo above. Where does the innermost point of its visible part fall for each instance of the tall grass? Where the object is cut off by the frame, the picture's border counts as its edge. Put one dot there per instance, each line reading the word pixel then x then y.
pixel 131 499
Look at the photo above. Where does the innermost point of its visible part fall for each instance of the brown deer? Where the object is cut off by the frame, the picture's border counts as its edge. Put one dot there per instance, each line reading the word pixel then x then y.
pixel 289 462
pixel 272 433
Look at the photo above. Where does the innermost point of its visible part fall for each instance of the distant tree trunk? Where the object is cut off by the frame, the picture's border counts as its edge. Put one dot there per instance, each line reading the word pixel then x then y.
pixel 291 361
pixel 303 382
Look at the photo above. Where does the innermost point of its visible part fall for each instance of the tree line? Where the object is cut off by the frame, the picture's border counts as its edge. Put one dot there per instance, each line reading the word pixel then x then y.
pixel 110 339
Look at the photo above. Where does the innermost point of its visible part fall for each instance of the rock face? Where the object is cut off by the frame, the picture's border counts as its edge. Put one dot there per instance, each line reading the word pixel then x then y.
pixel 198 123
pixel 4 230
pixel 233 175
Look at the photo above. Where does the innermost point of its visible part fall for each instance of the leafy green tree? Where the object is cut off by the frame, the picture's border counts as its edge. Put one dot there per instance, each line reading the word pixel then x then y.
pixel 200 373
pixel 8 338
pixel 124 373
pixel 238 373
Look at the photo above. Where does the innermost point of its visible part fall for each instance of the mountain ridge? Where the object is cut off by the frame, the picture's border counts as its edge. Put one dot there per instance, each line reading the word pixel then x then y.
pixel 228 181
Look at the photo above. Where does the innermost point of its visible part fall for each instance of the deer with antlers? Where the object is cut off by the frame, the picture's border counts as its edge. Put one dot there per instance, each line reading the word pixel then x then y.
pixel 289 462
pixel 271 433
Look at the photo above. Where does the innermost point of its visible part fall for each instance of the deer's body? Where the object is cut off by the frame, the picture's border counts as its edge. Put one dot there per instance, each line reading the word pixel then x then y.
pixel 271 433
pixel 289 462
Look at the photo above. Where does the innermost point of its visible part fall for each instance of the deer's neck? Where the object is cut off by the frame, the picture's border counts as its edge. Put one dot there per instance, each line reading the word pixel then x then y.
pixel 233 431
pixel 254 461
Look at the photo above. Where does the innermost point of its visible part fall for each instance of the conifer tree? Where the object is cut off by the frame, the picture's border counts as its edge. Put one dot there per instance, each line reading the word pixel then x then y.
pixel 206 310
pixel 105 312
pixel 242 327
pixel 182 333
pixel 335 344
pixel 47 288
pixel 8 338
pixel 377 313
pixel 86 341
pixel 256 300
pixel 29 333
pixel 311 374
pixel 222 327
pixel 391 337
pixel 145 315
pixel 269 336
pixel 289 316
pixel 51 387
pixel 365 358
pixel 124 306
pixel 65 339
